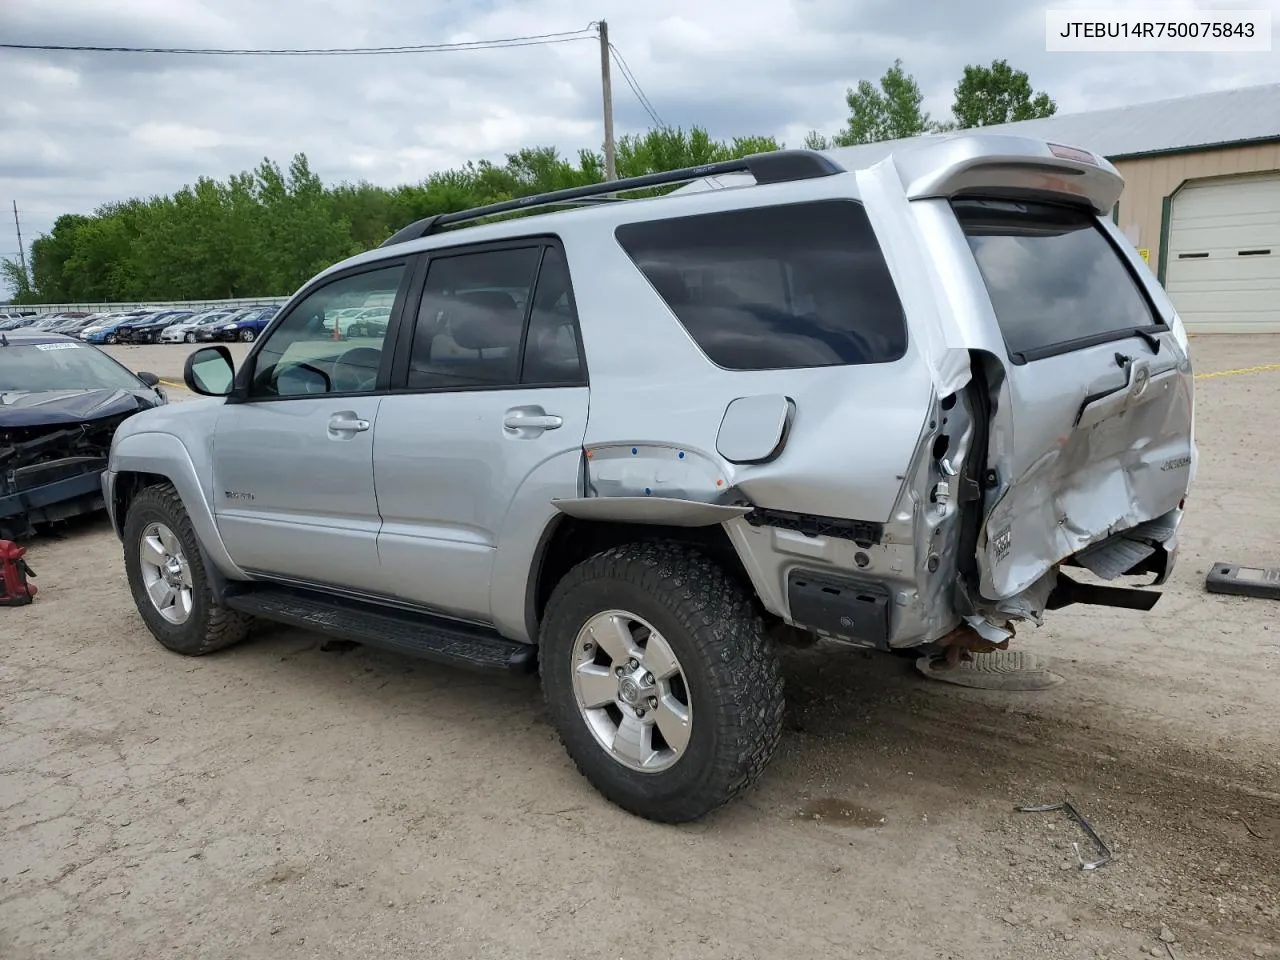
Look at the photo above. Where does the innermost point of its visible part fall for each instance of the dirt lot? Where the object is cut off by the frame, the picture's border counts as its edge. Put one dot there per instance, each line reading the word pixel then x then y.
pixel 280 801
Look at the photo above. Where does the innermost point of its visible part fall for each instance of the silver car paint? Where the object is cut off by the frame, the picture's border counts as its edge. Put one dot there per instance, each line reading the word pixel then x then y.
pixel 463 507
pixel 294 492
pixel 176 444
pixel 465 492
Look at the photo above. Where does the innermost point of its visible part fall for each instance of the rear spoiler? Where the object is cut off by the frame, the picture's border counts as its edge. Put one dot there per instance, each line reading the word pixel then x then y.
pixel 966 163
pixel 992 165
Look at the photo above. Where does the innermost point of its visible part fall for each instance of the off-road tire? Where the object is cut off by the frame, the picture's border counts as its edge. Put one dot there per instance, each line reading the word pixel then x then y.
pixel 731 670
pixel 210 627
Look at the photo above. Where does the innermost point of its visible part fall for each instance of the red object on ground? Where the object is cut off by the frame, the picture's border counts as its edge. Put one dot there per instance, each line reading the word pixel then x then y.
pixel 14 589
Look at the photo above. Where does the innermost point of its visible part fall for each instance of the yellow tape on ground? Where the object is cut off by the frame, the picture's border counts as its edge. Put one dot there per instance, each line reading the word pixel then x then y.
pixel 1240 371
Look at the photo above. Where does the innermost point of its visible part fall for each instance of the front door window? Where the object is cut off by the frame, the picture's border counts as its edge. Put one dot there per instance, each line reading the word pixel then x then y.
pixel 312 351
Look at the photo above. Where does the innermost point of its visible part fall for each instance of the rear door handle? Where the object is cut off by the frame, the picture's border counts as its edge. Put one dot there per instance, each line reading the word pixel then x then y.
pixel 522 421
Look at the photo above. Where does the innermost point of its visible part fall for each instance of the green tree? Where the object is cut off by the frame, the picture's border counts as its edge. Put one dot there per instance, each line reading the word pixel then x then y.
pixel 266 231
pixel 813 140
pixel 997 94
pixel 15 275
pixel 50 279
pixel 891 112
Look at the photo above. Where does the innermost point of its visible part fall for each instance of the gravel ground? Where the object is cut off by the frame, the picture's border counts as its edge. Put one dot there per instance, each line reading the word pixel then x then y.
pixel 280 801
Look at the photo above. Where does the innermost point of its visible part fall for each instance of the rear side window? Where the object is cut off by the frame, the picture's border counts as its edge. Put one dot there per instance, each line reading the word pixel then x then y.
pixel 1055 279
pixel 796 285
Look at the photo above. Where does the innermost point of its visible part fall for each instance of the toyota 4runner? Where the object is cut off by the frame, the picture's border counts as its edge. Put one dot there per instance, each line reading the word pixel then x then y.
pixel 888 396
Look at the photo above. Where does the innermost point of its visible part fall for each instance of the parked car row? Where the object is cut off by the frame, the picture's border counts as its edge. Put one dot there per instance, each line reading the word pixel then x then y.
pixel 242 323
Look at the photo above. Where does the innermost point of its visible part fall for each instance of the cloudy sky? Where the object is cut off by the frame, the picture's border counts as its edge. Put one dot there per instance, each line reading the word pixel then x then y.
pixel 80 129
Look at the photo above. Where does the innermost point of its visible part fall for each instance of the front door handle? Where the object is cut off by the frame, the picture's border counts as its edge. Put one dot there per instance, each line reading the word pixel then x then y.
pixel 519 420
pixel 344 424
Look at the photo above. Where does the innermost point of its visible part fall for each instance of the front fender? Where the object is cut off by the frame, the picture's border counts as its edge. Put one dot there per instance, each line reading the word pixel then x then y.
pixel 164 454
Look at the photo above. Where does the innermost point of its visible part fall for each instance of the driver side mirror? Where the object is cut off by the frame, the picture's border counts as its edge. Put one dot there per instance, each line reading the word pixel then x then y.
pixel 210 371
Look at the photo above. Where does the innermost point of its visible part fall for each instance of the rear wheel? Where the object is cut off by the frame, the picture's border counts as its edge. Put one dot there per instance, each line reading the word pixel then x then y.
pixel 658 676
pixel 168 580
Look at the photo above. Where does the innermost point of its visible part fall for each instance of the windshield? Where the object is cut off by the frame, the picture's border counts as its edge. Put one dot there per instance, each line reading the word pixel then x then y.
pixel 61 366
pixel 1054 278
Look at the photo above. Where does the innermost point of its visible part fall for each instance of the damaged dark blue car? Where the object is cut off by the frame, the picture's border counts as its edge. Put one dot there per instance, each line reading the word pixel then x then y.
pixel 60 403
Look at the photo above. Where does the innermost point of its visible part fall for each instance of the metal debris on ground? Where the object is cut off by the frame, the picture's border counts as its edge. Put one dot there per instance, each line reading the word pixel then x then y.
pixel 1231 578
pixel 1074 814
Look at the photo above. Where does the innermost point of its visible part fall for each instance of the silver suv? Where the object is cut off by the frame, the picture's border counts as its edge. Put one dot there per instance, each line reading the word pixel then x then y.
pixel 886 397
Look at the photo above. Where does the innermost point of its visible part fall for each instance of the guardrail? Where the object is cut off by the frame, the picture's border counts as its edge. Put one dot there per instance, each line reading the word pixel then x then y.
pixel 43 309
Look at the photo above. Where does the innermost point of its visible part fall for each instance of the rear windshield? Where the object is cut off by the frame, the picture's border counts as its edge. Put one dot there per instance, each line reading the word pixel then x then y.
pixel 1054 278
pixel 769 288
pixel 61 366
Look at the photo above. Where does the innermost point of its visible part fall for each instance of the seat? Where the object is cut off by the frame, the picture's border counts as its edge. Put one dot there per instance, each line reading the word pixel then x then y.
pixel 478 342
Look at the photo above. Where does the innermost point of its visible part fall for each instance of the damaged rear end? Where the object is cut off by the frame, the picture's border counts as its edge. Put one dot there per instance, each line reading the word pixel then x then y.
pixel 1078 408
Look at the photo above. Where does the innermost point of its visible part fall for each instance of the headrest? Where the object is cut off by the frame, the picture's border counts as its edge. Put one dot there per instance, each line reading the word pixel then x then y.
pixel 490 299
pixel 484 319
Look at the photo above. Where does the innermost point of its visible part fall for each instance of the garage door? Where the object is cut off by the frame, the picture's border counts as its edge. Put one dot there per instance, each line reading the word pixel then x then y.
pixel 1223 266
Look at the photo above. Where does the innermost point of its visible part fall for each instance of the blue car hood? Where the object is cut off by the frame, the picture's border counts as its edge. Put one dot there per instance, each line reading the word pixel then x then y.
pixel 48 407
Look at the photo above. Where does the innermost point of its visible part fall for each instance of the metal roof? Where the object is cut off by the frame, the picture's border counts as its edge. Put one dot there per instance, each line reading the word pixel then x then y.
pixel 1224 117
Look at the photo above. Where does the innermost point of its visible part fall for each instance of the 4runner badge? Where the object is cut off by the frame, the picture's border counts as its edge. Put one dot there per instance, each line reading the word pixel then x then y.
pixel 1001 543
pixel 1176 463
pixel 237 495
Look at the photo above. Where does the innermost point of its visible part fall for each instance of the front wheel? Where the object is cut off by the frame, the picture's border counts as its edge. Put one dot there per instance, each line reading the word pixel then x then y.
pixel 660 681
pixel 190 338
pixel 167 577
pixel 247 336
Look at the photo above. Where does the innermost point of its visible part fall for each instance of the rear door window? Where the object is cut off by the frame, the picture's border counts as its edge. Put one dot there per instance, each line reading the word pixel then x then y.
pixel 1055 280
pixel 471 319
pixel 496 319
pixel 794 285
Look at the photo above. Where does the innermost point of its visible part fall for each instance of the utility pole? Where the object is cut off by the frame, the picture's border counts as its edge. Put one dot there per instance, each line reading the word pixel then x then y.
pixel 22 253
pixel 610 166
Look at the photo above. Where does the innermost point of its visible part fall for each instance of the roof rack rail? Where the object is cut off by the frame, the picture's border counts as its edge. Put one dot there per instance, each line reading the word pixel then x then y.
pixel 777 166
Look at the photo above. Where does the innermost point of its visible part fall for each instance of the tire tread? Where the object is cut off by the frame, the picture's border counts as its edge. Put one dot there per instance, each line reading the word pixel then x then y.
pixel 222 626
pixel 747 685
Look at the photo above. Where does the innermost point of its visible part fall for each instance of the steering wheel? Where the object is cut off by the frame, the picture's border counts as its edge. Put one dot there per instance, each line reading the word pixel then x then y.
pixel 356 370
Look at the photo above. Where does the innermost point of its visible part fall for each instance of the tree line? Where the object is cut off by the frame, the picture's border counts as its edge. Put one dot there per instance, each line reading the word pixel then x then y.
pixel 263 232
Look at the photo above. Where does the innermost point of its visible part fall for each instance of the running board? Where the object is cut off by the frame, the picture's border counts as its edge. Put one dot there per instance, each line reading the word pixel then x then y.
pixel 1068 591
pixel 414 634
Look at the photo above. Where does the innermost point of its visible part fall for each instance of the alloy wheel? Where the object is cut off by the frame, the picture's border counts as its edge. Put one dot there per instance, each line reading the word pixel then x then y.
pixel 631 691
pixel 166 575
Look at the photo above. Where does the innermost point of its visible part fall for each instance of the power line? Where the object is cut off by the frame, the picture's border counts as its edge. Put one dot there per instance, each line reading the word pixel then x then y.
pixel 533 40
pixel 634 84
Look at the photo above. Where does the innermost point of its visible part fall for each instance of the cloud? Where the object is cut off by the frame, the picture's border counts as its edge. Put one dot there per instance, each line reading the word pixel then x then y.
pixel 83 129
